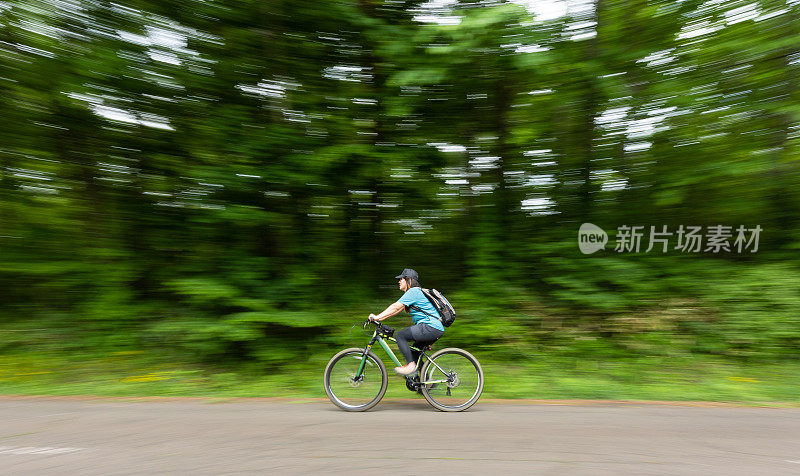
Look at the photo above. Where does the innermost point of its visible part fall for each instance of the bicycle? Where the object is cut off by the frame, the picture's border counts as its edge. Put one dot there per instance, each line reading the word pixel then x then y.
pixel 355 379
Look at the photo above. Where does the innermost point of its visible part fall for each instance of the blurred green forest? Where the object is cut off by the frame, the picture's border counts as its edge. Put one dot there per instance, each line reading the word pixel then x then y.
pixel 233 184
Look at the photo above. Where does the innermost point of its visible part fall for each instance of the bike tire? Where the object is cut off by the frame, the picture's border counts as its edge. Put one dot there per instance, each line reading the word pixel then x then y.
pixel 351 368
pixel 473 371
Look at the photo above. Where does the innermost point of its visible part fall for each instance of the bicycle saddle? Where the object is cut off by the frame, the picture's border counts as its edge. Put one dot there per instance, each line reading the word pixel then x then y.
pixel 425 346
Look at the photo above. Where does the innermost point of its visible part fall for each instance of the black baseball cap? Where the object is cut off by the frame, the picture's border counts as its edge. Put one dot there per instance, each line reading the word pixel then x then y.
pixel 408 273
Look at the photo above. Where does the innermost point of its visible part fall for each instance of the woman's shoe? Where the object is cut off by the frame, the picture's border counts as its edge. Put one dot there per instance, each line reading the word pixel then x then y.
pixel 406 369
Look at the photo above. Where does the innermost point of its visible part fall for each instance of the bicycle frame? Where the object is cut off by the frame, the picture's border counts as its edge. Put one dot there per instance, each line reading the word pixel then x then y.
pixel 377 337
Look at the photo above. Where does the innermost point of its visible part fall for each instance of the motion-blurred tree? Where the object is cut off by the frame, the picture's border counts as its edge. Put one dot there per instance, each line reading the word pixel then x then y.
pixel 202 170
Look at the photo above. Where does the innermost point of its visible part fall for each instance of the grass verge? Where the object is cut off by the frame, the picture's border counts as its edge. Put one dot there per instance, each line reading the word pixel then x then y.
pixel 134 374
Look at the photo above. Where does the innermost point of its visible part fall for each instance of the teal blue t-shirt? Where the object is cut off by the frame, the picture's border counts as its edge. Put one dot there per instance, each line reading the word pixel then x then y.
pixel 415 297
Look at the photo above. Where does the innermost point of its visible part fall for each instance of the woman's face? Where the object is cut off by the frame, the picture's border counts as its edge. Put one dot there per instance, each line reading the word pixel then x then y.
pixel 402 284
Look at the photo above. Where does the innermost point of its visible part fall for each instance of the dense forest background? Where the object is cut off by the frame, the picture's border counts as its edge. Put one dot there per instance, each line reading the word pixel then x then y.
pixel 237 182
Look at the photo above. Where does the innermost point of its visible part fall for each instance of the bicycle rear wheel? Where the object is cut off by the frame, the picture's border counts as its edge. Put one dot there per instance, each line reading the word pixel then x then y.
pixel 455 380
pixel 351 393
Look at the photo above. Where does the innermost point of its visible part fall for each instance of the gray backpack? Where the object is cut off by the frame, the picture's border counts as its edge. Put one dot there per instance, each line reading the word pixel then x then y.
pixel 442 305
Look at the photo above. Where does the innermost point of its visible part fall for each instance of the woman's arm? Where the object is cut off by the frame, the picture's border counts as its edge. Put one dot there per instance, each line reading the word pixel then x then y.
pixel 390 311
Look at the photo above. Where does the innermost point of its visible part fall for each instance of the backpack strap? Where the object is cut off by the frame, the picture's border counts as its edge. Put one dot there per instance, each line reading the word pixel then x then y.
pixel 429 314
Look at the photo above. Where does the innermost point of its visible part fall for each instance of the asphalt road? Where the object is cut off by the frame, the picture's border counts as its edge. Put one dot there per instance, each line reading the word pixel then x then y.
pixel 109 437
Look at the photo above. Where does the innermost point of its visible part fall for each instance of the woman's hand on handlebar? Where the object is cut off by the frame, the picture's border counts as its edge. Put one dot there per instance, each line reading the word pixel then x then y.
pixel 372 319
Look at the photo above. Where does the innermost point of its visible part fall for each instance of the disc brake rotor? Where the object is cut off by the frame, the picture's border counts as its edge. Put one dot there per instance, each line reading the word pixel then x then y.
pixel 452 380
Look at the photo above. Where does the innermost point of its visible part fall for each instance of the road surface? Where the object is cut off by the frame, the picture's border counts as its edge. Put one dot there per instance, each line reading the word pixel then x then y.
pixel 114 436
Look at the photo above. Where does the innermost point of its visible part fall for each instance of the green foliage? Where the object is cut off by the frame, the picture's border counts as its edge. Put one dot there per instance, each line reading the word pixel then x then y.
pixel 759 315
pixel 238 182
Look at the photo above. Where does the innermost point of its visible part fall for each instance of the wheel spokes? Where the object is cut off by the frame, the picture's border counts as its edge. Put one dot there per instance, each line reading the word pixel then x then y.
pixel 452 380
pixel 352 390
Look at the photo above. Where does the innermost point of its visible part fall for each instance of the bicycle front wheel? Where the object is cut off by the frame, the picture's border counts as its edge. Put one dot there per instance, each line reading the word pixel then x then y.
pixel 350 392
pixel 452 380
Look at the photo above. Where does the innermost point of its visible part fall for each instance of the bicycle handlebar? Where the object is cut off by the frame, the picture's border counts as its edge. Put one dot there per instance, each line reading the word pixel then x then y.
pixel 381 327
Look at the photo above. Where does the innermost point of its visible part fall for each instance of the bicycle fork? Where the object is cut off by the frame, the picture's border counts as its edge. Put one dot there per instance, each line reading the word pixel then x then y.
pixel 359 373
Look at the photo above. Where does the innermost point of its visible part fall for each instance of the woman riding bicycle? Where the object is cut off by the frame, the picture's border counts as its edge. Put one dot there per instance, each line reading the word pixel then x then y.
pixel 427 327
